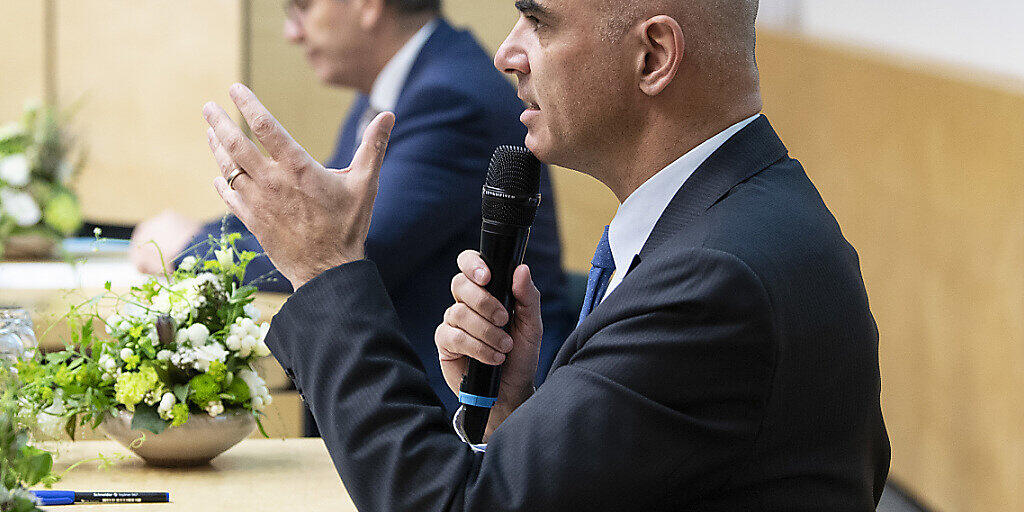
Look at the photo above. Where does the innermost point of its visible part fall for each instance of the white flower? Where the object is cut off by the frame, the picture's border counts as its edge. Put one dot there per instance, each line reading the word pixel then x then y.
pixel 188 263
pixel 215 409
pixel 64 171
pixel 225 257
pixel 50 419
pixel 166 403
pixel 251 311
pixel 261 349
pixel 207 354
pixel 257 388
pixel 108 363
pixel 246 338
pixel 126 353
pixel 133 311
pixel 154 336
pixel 113 321
pixel 15 170
pixel 21 207
pixel 164 355
pixel 181 336
pixel 197 334
pixel 10 130
pixel 185 357
pixel 96 231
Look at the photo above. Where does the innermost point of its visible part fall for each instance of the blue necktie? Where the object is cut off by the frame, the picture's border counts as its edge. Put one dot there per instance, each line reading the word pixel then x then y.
pixel 601 270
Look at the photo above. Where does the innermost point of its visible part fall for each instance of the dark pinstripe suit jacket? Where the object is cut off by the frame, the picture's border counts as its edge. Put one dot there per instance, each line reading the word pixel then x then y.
pixel 735 368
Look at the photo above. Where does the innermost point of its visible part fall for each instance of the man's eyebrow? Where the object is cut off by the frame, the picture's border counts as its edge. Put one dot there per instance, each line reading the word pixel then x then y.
pixel 532 7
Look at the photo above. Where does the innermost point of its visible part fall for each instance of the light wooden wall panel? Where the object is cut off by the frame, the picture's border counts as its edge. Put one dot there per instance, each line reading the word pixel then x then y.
pixel 143 71
pixel 281 77
pixel 23 65
pixel 925 174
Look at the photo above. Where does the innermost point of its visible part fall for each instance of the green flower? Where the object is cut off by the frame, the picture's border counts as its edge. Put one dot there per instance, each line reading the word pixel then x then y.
pixel 29 371
pixel 179 414
pixel 45 394
pixel 63 214
pixel 240 390
pixel 131 361
pixel 205 389
pixel 218 371
pixel 131 387
pixel 63 377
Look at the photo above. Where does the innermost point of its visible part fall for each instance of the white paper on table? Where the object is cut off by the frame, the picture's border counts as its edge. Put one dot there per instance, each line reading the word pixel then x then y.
pixel 66 276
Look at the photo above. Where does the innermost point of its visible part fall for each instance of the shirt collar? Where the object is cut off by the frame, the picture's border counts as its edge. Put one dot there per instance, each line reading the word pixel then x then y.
pixel 635 219
pixel 389 83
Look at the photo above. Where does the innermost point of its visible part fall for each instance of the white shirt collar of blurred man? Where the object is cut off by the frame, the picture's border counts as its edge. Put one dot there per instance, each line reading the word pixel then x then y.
pixel 391 80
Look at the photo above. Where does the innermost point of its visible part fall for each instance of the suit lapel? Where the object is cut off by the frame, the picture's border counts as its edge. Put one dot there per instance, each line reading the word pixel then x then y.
pixel 750 151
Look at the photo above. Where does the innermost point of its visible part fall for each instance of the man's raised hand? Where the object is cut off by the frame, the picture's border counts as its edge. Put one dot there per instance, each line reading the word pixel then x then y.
pixel 307 218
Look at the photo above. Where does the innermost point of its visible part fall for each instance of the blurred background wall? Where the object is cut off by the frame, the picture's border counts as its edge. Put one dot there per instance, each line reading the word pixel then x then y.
pixel 909 116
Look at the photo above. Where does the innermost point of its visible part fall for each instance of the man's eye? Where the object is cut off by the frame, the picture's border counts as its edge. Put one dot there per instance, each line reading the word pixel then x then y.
pixel 533 21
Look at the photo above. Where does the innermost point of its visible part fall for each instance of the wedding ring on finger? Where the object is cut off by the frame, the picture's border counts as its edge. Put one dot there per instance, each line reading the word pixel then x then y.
pixel 235 173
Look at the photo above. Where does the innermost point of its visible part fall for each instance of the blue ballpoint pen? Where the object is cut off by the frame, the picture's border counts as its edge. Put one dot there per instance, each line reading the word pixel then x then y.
pixel 48 498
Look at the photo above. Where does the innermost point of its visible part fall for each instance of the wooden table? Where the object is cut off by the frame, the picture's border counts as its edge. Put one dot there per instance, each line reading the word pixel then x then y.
pixel 258 474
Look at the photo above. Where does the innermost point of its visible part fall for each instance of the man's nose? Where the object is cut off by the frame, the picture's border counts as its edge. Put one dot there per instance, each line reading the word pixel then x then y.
pixel 511 56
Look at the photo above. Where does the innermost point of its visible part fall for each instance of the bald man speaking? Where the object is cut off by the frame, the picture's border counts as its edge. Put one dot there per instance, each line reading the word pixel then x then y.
pixel 725 359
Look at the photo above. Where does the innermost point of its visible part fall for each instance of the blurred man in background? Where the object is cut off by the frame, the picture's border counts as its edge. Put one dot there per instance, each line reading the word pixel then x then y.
pixel 455 108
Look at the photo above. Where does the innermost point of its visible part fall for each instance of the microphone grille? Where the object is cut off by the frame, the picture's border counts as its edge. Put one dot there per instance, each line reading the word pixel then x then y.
pixel 515 171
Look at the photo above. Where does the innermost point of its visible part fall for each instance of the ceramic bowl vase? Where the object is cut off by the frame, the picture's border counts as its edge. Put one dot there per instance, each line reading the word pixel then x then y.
pixel 195 443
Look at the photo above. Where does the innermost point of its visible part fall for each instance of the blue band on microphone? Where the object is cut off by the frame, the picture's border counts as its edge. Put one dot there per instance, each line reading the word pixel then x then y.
pixel 478 401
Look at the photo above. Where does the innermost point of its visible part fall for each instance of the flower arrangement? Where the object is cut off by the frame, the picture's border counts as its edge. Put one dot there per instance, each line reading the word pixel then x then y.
pixel 21 464
pixel 36 169
pixel 176 346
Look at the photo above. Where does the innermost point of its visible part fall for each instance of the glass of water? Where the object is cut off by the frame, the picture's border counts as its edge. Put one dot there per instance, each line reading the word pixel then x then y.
pixel 17 338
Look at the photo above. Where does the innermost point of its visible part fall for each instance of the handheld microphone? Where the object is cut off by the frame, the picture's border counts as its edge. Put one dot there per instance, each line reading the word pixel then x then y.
pixel 511 195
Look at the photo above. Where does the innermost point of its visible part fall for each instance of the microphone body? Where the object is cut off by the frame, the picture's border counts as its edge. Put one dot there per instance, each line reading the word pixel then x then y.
pixel 510 200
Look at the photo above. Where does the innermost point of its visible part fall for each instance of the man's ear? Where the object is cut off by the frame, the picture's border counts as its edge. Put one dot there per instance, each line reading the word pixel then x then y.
pixel 663 45
pixel 371 12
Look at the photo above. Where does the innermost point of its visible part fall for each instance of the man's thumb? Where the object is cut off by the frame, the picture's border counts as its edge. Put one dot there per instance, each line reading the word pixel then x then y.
pixel 370 155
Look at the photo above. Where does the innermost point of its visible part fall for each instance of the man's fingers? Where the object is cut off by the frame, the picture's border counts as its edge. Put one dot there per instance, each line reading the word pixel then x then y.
pixel 232 199
pixel 230 136
pixel 278 142
pixel 370 155
pixel 525 291
pixel 220 154
pixel 463 317
pixel 453 342
pixel 528 322
pixel 478 299
pixel 472 264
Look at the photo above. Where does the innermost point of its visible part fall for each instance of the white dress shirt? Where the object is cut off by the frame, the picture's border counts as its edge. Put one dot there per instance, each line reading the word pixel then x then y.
pixel 391 80
pixel 637 215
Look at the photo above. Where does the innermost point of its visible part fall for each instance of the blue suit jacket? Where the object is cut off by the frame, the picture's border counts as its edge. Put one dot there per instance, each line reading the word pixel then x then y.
pixel 735 368
pixel 454 109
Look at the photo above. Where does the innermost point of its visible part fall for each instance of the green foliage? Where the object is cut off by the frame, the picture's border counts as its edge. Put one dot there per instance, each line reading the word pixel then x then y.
pixel 146 418
pixel 21 465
